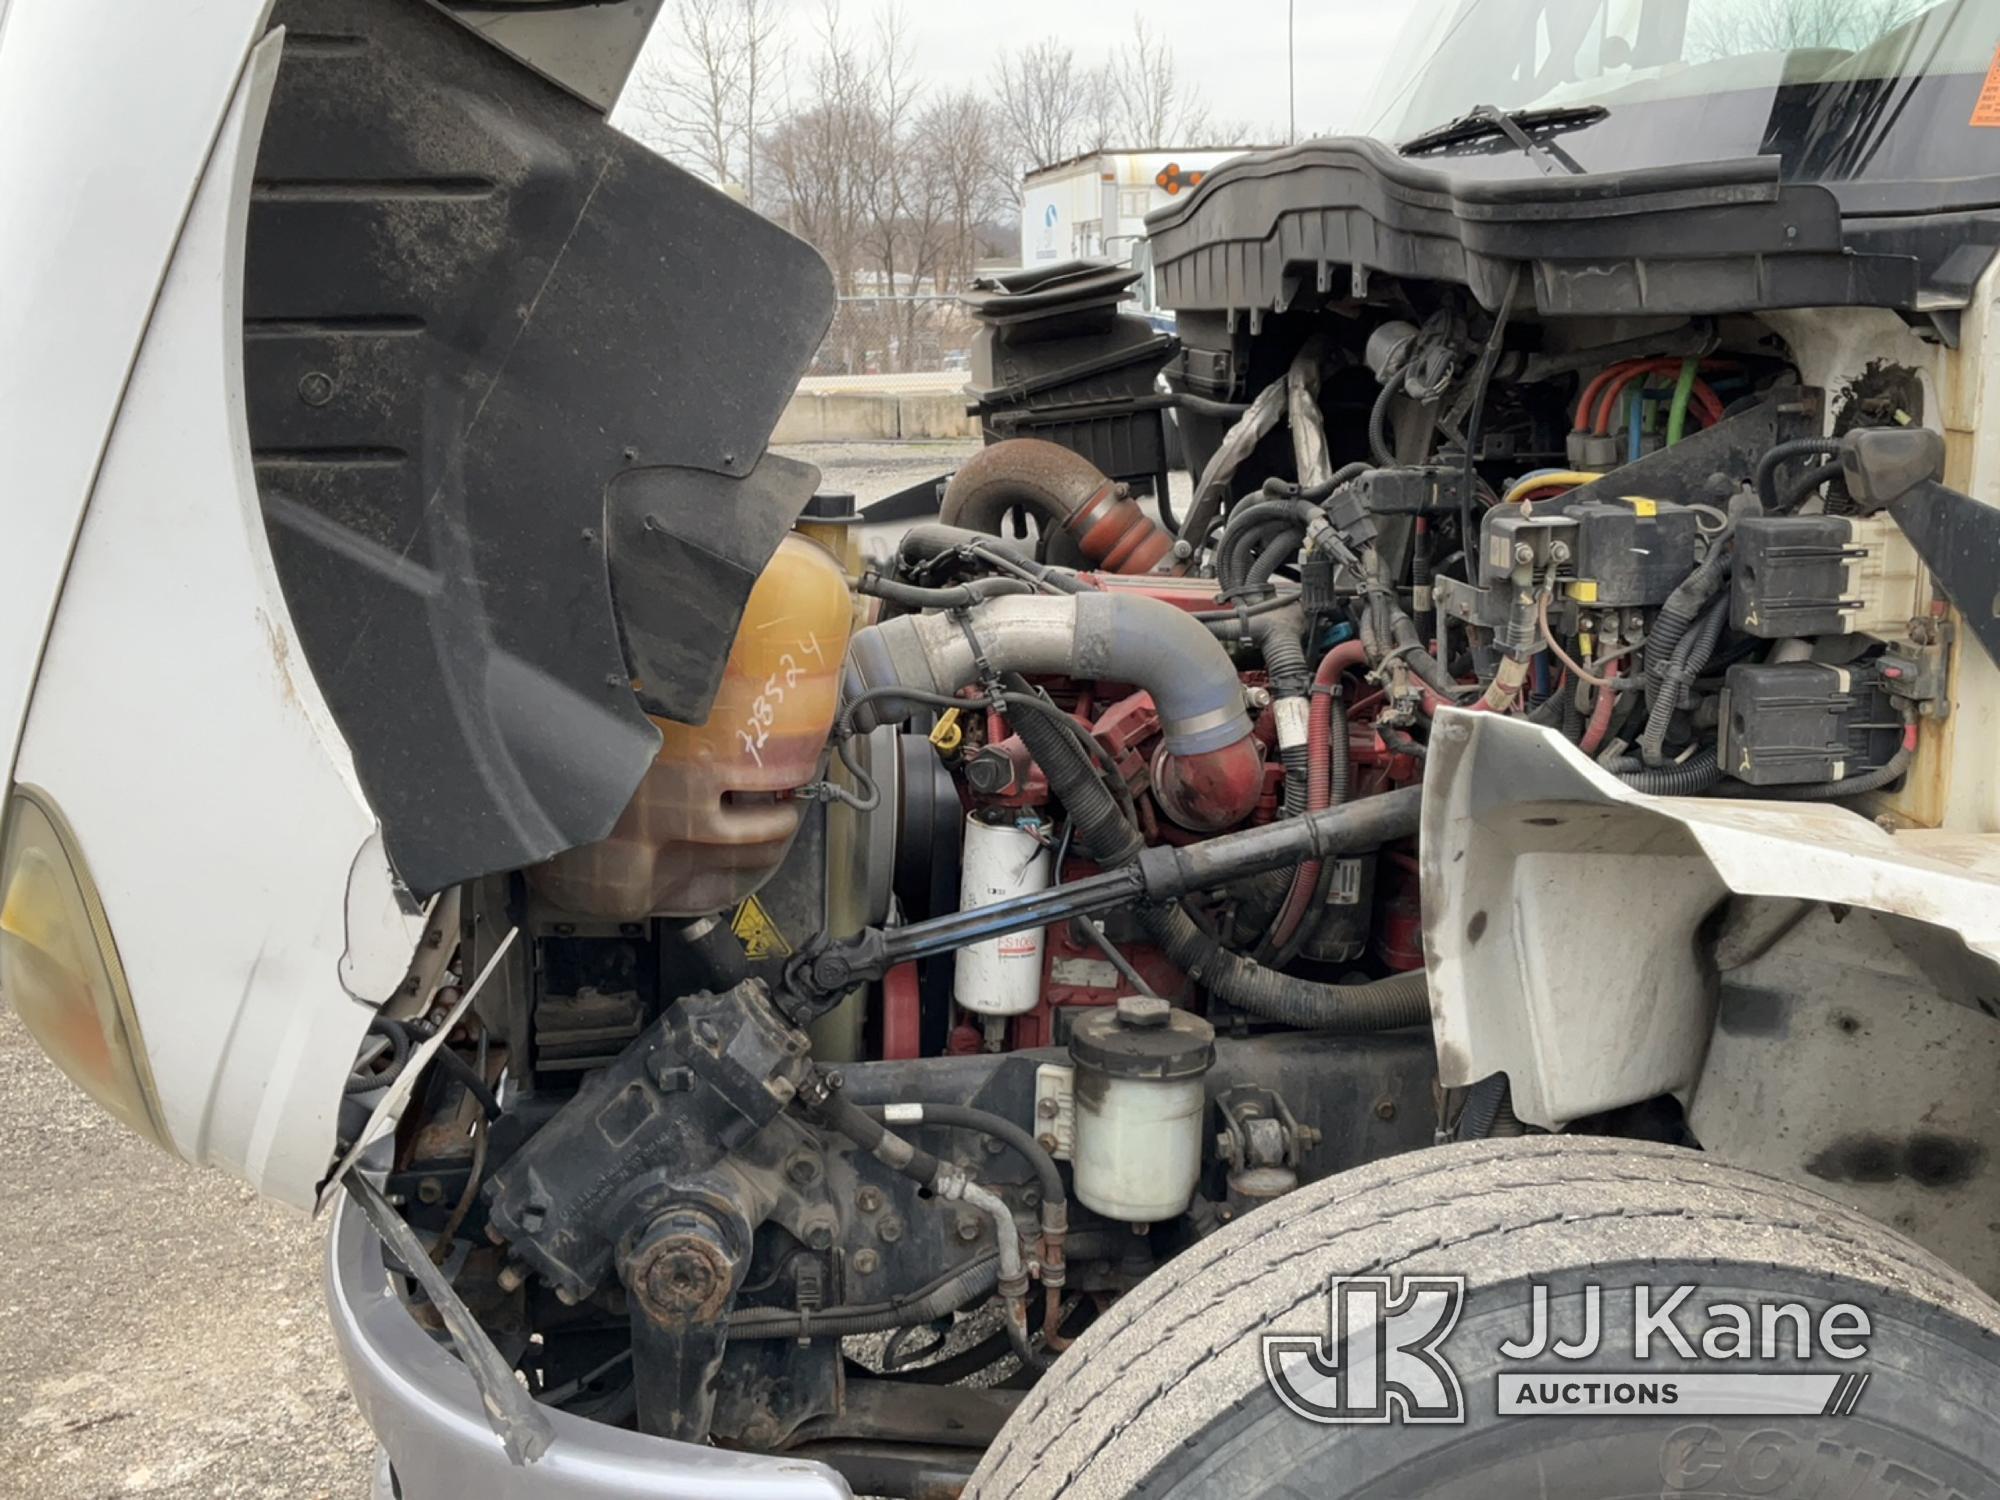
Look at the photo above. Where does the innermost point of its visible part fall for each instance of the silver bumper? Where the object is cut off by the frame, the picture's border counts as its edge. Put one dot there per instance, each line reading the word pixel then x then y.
pixel 426 1414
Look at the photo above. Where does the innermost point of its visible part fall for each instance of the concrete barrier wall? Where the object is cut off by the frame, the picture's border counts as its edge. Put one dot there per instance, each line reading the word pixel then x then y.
pixel 850 410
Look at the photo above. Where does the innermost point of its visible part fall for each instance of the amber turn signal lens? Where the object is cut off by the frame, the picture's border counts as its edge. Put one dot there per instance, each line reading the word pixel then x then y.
pixel 59 968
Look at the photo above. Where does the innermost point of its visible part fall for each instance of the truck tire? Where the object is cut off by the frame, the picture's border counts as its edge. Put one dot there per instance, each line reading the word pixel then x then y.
pixel 1166 1395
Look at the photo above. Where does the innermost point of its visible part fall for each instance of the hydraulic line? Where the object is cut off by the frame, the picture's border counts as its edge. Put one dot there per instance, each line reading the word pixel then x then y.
pixel 959 1288
pixel 962 1117
pixel 1383 1005
pixel 833 1111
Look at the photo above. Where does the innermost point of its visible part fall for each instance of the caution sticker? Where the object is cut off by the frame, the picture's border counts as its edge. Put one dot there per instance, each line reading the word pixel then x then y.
pixel 1986 108
pixel 758 934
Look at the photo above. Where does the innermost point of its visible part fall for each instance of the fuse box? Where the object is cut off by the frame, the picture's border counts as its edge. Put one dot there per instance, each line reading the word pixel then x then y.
pixel 1805 721
pixel 1631 553
pixel 1824 575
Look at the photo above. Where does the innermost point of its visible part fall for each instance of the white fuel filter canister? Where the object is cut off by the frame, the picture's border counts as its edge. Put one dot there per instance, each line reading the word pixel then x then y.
pixel 1001 858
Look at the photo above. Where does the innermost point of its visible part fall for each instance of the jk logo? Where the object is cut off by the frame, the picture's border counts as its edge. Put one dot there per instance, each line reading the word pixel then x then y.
pixel 1380 1360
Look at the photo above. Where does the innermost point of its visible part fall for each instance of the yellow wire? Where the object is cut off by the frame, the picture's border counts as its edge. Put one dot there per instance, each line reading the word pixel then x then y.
pixel 1566 478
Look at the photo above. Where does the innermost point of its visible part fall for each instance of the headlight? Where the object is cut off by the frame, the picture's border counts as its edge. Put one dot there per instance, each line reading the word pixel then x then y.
pixel 59 968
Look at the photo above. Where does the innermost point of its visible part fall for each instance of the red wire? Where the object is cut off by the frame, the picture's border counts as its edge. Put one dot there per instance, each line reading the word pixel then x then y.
pixel 1586 404
pixel 1607 406
pixel 1600 714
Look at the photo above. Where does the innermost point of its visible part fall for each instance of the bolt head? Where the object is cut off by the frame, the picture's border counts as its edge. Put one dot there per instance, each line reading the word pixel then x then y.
pixel 819 1236
pixel 968 1228
pixel 889 1230
pixel 866 1262
pixel 803 1170
pixel 1048 1109
pixel 680 1275
pixel 869 1200
pixel 1385 1109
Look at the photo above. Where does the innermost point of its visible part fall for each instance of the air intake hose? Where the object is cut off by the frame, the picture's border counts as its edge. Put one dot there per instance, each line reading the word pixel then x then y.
pixel 1212 770
pixel 1062 488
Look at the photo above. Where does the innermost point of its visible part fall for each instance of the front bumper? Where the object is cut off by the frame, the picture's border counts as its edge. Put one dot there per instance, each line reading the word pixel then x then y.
pixel 426 1413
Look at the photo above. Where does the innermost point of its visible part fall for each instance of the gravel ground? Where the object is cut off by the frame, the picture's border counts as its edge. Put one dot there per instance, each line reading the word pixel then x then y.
pixel 167 1329
pixel 168 1334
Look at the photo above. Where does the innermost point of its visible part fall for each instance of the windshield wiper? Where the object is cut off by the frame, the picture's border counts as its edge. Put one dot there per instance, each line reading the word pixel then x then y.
pixel 1484 120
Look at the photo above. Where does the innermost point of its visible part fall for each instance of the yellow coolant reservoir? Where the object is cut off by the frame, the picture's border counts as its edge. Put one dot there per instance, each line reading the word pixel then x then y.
pixel 714 817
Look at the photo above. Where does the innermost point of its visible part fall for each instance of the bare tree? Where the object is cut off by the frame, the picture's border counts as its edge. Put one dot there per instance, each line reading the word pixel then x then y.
pixel 887 175
pixel 815 156
pixel 706 89
pixel 1150 103
pixel 684 98
pixel 1725 28
pixel 1051 106
pixel 760 30
pixel 960 136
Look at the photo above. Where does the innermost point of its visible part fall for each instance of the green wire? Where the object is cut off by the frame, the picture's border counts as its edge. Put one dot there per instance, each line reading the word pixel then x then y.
pixel 1677 416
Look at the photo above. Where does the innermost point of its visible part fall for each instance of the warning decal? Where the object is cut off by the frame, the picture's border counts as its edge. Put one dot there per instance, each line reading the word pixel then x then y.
pixel 758 934
pixel 1986 109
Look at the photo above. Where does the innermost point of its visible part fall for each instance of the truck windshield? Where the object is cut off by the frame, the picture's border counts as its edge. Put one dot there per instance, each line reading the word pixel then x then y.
pixel 1896 103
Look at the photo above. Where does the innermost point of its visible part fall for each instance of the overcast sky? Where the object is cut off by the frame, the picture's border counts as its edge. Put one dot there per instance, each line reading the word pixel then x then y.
pixel 1234 49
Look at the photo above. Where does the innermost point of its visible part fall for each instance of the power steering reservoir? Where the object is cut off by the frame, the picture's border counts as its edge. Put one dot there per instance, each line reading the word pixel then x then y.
pixel 1140 1108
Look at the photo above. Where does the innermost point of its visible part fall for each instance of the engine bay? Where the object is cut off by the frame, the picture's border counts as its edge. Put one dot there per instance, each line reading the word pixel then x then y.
pixel 999 915
pixel 1051 899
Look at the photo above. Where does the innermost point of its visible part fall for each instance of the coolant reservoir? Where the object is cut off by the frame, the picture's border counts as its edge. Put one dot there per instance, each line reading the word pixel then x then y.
pixel 713 819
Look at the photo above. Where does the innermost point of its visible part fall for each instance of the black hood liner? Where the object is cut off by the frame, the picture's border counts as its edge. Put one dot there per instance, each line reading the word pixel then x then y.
pixel 1708 237
pixel 470 306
